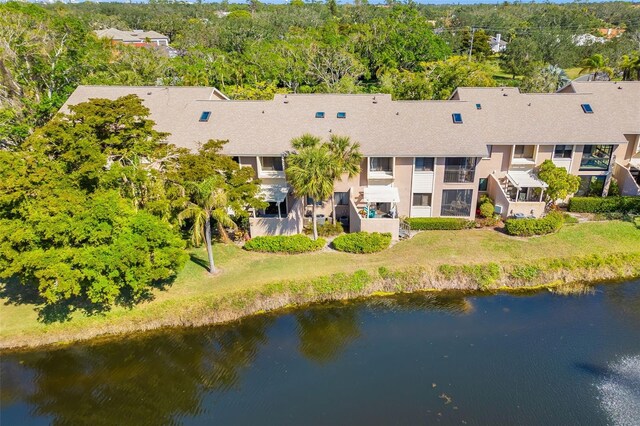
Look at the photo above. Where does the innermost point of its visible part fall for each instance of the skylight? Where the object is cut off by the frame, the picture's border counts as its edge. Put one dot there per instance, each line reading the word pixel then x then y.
pixel 205 116
pixel 457 117
pixel 342 115
pixel 478 106
pixel 587 108
pixel 319 114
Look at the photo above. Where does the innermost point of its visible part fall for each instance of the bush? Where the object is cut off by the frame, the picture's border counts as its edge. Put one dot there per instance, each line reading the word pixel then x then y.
pixel 326 230
pixel 439 223
pixel 528 227
pixel 284 244
pixel 487 209
pixel 362 242
pixel 604 205
pixel 636 220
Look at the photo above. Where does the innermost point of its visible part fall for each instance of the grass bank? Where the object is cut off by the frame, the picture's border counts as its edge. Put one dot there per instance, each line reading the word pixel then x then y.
pixel 435 260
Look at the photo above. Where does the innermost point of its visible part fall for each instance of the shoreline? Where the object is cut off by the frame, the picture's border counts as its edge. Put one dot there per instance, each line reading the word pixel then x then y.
pixel 487 278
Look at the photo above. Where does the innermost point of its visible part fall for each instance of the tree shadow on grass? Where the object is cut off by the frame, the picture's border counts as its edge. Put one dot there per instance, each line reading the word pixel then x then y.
pixel 15 292
pixel 199 261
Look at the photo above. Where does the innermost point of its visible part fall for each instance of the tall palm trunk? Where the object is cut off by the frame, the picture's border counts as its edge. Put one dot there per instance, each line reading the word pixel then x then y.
pixel 223 233
pixel 207 237
pixel 314 221
pixel 333 209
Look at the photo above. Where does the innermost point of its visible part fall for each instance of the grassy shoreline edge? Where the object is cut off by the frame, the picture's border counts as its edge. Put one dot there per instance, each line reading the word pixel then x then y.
pixel 484 277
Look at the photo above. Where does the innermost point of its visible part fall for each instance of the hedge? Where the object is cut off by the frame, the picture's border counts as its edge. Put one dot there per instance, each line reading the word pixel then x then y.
pixel 284 244
pixel 439 223
pixel 604 204
pixel 528 227
pixel 362 242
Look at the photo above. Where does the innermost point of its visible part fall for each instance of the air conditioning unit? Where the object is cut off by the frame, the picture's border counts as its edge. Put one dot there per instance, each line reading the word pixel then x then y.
pixel 498 209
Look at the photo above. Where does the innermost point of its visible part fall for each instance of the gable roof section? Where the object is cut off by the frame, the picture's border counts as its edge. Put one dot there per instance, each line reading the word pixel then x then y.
pixel 544 118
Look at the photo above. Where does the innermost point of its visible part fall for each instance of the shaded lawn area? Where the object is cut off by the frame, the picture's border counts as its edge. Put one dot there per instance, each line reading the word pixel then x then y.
pixel 246 270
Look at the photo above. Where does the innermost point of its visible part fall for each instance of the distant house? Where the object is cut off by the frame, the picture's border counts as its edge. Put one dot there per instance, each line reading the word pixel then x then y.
pixel 497 44
pixel 587 39
pixel 610 33
pixel 138 38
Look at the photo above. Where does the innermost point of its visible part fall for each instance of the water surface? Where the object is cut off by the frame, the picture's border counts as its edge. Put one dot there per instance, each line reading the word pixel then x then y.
pixel 542 359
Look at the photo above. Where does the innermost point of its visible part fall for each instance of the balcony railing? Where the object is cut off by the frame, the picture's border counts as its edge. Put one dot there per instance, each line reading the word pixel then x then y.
pixel 459 175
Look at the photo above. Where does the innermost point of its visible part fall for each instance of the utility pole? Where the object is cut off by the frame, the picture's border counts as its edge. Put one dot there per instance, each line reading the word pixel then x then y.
pixel 473 33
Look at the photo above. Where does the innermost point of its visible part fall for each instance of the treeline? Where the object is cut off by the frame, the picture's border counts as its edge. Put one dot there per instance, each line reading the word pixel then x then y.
pixel 254 50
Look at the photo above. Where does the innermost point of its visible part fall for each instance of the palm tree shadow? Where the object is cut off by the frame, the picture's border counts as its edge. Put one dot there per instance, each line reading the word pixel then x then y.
pixel 199 261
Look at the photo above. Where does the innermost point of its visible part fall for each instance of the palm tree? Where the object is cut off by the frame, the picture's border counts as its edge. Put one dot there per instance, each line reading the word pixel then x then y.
pixel 307 172
pixel 207 199
pixel 595 64
pixel 346 158
pixel 630 67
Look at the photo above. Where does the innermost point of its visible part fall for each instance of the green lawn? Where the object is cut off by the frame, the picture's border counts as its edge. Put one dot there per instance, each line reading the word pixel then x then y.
pixel 247 270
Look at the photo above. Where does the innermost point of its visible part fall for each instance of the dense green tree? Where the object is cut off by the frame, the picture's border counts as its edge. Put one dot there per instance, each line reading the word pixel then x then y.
pixel 561 183
pixel 446 76
pixel 520 57
pixel 83 211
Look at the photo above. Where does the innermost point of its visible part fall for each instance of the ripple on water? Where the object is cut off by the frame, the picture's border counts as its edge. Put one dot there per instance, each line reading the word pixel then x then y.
pixel 620 391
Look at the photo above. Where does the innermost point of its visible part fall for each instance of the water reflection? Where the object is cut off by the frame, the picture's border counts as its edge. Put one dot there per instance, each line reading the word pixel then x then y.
pixel 324 332
pixel 151 380
pixel 432 347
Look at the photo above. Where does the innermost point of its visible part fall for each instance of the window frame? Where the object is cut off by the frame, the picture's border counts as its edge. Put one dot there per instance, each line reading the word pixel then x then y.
pixel 422 196
pixel 205 116
pixel 424 160
pixel 564 151
pixel 273 167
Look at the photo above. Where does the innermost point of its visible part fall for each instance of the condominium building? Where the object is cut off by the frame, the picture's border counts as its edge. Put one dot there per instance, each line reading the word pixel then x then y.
pixel 421 158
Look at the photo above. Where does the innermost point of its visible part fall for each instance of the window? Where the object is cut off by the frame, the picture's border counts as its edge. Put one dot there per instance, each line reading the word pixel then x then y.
pixel 319 114
pixel 205 116
pixel 342 115
pixel 380 164
pixel 587 108
pixel 591 186
pixel 482 186
pixel 563 151
pixel 341 198
pixel 310 202
pixel 457 118
pixel 456 202
pixel 421 200
pixel 596 157
pixel 459 170
pixel 424 164
pixel 478 106
pixel 272 164
pixel 523 151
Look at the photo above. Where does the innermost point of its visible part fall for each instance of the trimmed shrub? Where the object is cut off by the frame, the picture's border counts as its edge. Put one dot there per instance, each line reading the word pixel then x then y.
pixel 439 223
pixel 604 205
pixel 362 242
pixel 527 227
pixel 284 244
pixel 326 230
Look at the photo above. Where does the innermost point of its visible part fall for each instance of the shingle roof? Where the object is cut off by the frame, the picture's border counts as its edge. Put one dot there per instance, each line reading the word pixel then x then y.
pixel 384 127
pixel 548 118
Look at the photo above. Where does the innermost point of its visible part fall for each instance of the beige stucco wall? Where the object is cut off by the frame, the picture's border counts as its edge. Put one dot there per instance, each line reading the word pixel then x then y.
pixel 439 185
pixel 626 182
pixel 632 148
pixel 290 225
pixel 403 176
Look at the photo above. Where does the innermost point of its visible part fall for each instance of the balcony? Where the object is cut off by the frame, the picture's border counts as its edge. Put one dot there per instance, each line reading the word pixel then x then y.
pixel 380 168
pixel 459 175
pixel 271 168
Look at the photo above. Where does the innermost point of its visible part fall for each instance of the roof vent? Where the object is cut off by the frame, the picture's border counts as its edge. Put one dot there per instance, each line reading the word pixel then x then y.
pixel 505 94
pixel 587 108
pixel 457 117
pixel 619 87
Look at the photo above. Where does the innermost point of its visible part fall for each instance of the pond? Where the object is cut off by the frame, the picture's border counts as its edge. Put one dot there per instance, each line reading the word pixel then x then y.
pixel 532 359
